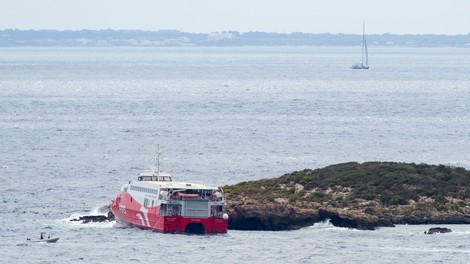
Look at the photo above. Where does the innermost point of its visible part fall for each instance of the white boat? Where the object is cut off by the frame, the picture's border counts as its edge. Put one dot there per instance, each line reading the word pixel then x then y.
pixel 364 65
pixel 44 240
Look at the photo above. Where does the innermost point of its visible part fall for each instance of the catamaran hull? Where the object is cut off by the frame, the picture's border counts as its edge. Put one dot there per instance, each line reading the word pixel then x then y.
pixel 136 215
pixel 180 225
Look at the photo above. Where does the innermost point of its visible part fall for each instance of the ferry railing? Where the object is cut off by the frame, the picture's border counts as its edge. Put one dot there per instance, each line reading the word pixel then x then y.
pixel 179 198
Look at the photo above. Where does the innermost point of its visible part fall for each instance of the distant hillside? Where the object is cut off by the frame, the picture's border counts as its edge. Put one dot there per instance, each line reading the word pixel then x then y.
pixel 174 38
pixel 355 195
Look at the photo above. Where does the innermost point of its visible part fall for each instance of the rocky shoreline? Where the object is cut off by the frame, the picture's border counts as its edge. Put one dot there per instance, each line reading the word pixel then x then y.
pixel 287 217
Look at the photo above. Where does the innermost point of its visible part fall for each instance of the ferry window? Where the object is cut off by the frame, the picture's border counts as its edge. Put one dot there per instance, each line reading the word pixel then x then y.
pixel 217 210
pixel 163 209
pixel 174 210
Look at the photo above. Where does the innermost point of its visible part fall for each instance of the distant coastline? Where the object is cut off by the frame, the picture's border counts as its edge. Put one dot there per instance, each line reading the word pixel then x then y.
pixel 175 38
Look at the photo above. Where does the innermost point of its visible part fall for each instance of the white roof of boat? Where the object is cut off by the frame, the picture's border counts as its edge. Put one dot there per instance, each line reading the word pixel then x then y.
pixel 154 173
pixel 179 185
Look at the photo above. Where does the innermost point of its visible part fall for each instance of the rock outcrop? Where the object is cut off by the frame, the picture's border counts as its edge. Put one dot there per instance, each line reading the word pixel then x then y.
pixel 436 230
pixel 362 196
pixel 95 218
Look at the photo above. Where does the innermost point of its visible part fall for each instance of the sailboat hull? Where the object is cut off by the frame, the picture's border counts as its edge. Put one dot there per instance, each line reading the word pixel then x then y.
pixel 359 67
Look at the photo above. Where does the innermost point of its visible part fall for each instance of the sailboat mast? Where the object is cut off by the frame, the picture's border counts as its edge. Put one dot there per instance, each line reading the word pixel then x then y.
pixel 364 42
pixel 364 65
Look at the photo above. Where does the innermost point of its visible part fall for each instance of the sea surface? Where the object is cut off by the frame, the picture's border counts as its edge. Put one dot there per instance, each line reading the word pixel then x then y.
pixel 77 123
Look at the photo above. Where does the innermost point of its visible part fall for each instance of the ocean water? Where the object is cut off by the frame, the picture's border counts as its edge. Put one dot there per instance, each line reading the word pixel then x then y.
pixel 76 123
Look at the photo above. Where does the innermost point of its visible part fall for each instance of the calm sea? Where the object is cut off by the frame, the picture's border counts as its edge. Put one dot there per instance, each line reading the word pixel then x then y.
pixel 76 123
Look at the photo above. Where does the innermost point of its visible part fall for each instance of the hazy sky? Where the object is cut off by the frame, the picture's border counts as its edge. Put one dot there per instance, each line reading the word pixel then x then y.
pixel 202 16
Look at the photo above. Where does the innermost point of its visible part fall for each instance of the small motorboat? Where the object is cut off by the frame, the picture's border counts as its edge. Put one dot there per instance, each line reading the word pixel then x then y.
pixel 44 240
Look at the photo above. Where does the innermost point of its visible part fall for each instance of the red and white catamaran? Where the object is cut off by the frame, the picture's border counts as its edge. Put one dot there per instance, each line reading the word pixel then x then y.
pixel 157 203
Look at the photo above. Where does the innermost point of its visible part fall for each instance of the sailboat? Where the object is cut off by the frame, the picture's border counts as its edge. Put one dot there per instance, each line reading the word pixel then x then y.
pixel 364 65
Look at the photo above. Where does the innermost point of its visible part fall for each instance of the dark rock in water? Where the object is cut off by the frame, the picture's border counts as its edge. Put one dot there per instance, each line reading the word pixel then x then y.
pixel 435 230
pixel 109 216
pixel 92 218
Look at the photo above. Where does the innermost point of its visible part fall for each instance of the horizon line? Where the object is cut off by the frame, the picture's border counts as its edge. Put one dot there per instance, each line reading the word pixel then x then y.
pixel 235 31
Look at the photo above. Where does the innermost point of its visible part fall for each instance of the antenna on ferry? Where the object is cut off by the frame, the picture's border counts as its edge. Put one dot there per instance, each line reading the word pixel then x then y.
pixel 157 159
